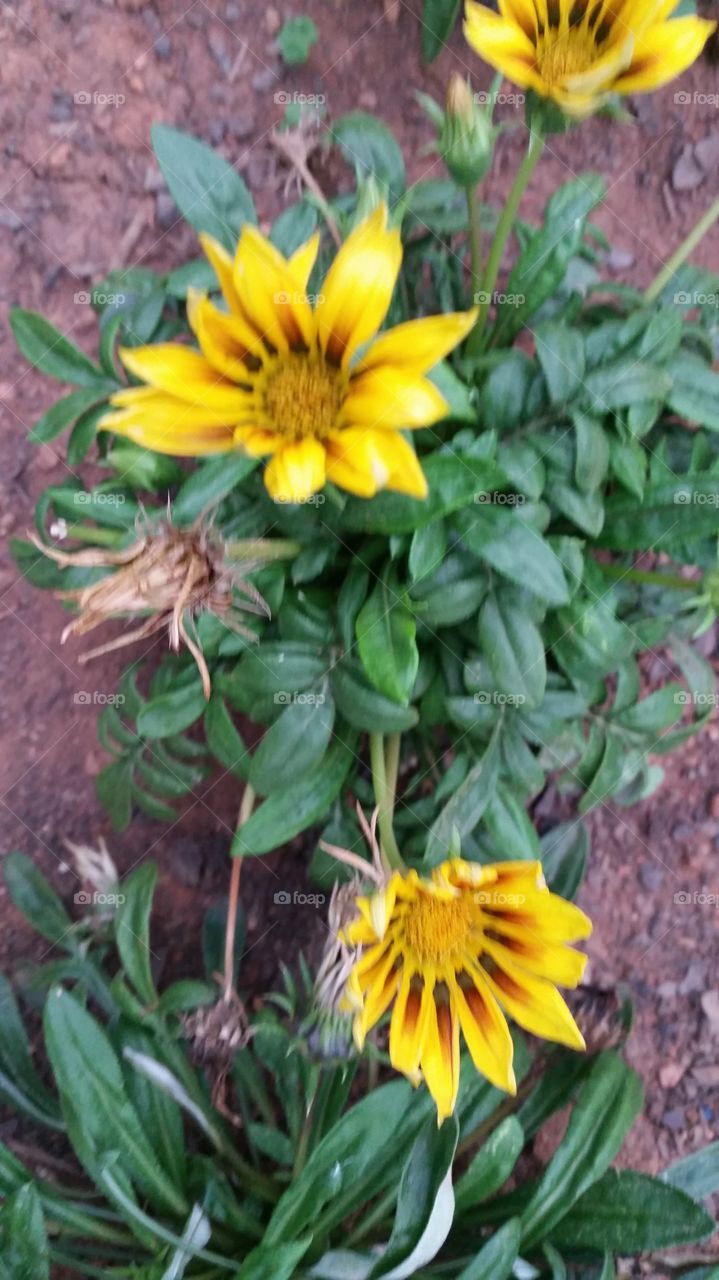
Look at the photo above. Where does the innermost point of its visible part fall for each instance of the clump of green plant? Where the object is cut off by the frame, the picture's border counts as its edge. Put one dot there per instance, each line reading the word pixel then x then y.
pixel 150 1150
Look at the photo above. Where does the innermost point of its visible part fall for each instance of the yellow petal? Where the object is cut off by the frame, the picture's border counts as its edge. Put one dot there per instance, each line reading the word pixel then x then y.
pixel 187 375
pixel 393 398
pixel 193 443
pixel 257 441
pixel 523 13
pixel 503 45
pixel 271 294
pixel 221 263
pixel 410 1019
pixel 225 340
pixel 303 260
pixel 535 1005
pixel 556 964
pixel 297 470
pixel 160 409
pixel 358 287
pixel 600 75
pixel 440 1059
pixel 663 52
pixel 379 459
pixel 418 345
pixel 485 1030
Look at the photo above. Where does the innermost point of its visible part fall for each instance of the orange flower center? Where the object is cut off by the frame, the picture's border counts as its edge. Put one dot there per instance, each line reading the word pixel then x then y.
pixel 564 55
pixel 438 931
pixel 303 397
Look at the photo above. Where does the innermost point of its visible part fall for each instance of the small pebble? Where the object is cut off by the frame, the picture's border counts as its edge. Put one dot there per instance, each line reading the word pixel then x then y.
pixel 62 107
pixel 163 47
pixel 166 210
pixel 651 877
pixel 673 1119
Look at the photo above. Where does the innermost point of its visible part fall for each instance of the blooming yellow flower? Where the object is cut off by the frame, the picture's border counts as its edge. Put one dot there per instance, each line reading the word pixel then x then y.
pixel 307 385
pixel 451 952
pixel 579 51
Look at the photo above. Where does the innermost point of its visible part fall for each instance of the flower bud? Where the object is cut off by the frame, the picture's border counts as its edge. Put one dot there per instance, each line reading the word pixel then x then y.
pixel 466 137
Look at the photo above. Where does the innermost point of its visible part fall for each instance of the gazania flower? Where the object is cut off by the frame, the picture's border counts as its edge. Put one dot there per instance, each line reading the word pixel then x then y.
pixel 306 385
pixel 165 578
pixel 457 951
pixel 580 51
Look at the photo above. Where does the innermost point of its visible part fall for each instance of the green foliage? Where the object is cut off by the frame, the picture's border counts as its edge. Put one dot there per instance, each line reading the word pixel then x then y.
pixel 296 38
pixel 317 1181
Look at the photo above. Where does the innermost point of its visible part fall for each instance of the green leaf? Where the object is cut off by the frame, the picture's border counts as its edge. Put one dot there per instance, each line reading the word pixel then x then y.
pixel 172 712
pixel 496 1258
pixel 101 1120
pixel 427 550
pixel 363 706
pixel 560 351
pixel 83 435
pixel 694 391
pixel 209 484
pixel 387 644
pixel 425 1202
pixel 280 668
pixel 454 480
pixel 286 813
pixel 224 738
pixel 295 39
pixel 622 383
pixel 509 545
pixel 671 512
pixel 132 929
pixel 32 895
pixel 514 649
pixel 372 149
pixel 294 227
pixel 209 193
pixel 295 744
pixel 64 412
pixel 491 1165
pixel 276 1260
pixel 438 19
pixel 608 1104
pixel 697 1174
pixel 50 352
pixel 24 1252
pixel 564 852
pixel 592 460
pixel 628 1212
pixel 114 791
pixel 20 1085
pixel 463 811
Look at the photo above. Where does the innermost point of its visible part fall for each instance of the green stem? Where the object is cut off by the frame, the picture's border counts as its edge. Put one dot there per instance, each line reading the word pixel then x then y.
pixel 501 235
pixel 306 1131
pixel 384 796
pixel 262 550
pixel 475 237
pixel 95 535
pixel 647 578
pixel 246 806
pixel 680 256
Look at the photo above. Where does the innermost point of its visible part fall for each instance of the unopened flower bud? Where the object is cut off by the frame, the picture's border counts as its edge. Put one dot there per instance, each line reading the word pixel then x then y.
pixel 466 137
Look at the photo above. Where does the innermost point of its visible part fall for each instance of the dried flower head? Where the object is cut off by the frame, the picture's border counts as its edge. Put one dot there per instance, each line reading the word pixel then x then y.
pixel 167 577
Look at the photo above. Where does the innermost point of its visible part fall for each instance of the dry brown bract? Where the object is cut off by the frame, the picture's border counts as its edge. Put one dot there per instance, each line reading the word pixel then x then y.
pixel 169 574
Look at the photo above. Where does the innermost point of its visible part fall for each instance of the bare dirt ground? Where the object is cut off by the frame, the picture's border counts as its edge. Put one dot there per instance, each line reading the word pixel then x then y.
pixel 80 194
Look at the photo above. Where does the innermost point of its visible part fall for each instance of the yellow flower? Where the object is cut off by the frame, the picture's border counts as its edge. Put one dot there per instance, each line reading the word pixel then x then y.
pixel 275 375
pixel 579 51
pixel 453 951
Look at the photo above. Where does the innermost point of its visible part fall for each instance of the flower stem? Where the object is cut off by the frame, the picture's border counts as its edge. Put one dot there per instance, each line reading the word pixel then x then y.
pixel 384 781
pixel 475 237
pixel 262 550
pixel 248 800
pixel 680 256
pixel 94 534
pixel 647 578
pixel 501 235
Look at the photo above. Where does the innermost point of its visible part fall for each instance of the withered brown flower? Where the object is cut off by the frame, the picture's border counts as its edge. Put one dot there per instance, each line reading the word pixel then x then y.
pixel 168 576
